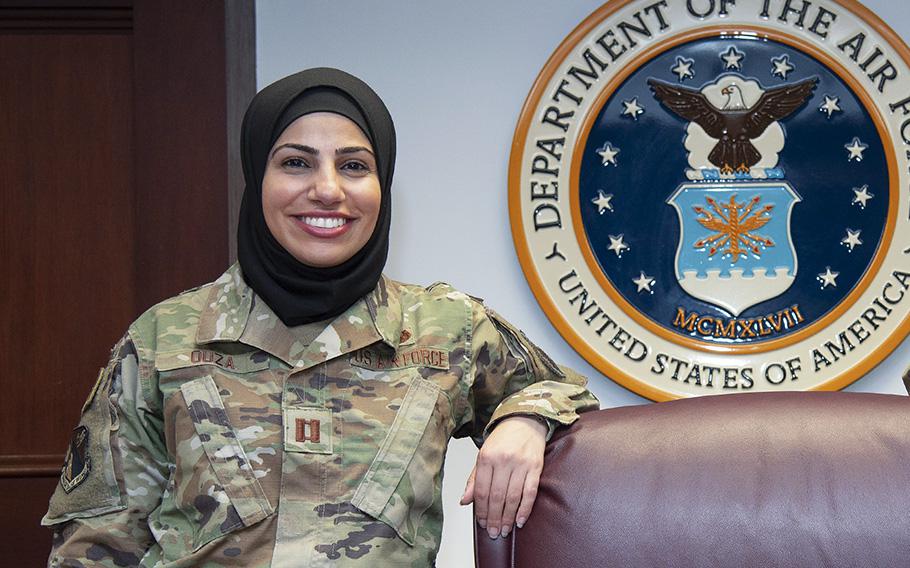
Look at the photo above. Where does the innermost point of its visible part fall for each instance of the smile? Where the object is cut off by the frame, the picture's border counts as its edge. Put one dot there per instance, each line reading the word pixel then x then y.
pixel 324 227
pixel 324 222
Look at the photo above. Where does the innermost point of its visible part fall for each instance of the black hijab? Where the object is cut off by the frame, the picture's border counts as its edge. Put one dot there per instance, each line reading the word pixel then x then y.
pixel 296 292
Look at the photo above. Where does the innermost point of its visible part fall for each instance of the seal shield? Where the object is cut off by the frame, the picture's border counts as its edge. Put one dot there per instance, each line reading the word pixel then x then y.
pixel 735 249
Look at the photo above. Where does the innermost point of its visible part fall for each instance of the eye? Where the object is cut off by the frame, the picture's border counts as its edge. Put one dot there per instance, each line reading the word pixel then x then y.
pixel 356 167
pixel 295 162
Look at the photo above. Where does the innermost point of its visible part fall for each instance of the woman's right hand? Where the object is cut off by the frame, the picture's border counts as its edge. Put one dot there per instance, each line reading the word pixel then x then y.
pixel 503 483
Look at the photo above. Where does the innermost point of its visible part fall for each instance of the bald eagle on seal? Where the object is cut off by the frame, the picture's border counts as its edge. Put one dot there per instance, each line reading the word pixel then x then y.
pixel 735 125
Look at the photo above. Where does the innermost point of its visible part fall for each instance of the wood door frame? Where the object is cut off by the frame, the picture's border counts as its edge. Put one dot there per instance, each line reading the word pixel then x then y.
pixel 193 76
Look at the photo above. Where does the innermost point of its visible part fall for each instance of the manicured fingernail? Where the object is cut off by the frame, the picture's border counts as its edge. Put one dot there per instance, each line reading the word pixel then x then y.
pixel 505 531
pixel 520 522
pixel 494 533
pixel 482 523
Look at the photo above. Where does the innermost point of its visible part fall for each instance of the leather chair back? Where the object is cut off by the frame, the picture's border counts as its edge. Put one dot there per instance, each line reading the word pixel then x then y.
pixel 797 479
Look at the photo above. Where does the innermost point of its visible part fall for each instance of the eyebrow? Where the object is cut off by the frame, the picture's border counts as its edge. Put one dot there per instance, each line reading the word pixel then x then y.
pixel 313 151
pixel 353 150
pixel 300 147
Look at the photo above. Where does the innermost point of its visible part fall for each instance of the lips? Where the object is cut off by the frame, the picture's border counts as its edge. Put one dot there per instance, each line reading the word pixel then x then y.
pixel 323 226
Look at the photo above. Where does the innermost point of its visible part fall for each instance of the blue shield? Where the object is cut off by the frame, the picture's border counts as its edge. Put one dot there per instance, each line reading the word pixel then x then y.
pixel 735 248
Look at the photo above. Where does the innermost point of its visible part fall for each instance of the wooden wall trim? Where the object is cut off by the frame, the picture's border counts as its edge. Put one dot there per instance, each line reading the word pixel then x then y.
pixel 36 18
pixel 184 124
pixel 31 465
pixel 240 63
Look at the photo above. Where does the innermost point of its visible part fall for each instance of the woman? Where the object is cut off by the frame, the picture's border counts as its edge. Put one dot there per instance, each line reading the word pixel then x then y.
pixel 296 411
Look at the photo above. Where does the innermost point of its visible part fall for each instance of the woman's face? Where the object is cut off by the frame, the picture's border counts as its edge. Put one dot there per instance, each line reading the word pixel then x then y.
pixel 320 192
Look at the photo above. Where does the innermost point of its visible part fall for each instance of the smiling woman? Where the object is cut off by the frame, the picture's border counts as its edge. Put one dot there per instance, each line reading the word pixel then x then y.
pixel 297 411
pixel 320 193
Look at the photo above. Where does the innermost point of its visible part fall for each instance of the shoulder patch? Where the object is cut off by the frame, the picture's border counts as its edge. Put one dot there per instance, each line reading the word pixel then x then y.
pixel 88 481
pixel 78 462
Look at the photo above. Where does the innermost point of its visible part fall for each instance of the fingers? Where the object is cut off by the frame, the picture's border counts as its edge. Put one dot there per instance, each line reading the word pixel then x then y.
pixel 482 479
pixel 514 496
pixel 468 495
pixel 497 503
pixel 528 496
pixel 499 488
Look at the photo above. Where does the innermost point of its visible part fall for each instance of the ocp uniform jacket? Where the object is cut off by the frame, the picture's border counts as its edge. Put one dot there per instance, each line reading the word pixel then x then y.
pixel 216 436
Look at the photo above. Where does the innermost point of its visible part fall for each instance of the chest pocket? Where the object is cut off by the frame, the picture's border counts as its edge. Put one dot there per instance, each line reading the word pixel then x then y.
pixel 215 489
pixel 400 484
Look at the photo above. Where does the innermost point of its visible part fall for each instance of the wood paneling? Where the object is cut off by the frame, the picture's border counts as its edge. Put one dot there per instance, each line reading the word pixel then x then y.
pixel 119 168
pixel 67 223
pixel 186 109
pixel 31 465
pixel 25 543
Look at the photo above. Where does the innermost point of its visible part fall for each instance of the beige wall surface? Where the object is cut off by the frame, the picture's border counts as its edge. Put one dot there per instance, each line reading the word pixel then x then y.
pixel 455 75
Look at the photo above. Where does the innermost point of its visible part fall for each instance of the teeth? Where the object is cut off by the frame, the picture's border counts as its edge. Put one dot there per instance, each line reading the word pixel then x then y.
pixel 325 222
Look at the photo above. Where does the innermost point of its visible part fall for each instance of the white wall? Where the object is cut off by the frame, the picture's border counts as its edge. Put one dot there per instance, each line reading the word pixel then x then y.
pixel 454 76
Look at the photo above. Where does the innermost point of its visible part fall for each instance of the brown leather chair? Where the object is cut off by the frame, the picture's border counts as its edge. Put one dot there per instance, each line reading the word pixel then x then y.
pixel 781 479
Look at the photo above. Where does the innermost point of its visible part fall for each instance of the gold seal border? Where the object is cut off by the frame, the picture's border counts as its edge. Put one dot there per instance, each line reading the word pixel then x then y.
pixel 556 317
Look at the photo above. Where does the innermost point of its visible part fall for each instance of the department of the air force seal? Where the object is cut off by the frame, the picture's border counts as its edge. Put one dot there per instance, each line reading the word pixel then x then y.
pixel 713 196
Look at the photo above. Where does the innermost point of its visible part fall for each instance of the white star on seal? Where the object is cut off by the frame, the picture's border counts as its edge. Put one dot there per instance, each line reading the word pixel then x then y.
pixel 862 196
pixel 852 239
pixel 603 201
pixel 830 106
pixel 683 68
pixel 781 67
pixel 855 149
pixel 827 278
pixel 644 283
pixel 732 58
pixel 608 153
pixel 632 108
pixel 616 244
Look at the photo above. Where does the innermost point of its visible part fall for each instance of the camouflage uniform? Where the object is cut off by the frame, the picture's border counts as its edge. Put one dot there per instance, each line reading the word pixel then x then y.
pixel 216 436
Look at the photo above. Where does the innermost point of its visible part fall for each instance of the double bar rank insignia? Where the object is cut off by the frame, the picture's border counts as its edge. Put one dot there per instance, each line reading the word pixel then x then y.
pixel 713 196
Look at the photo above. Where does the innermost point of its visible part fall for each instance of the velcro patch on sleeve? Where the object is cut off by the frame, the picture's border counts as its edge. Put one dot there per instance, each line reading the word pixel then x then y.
pixel 88 481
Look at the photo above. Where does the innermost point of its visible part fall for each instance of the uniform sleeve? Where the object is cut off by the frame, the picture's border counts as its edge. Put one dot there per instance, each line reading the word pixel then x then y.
pixel 512 376
pixel 113 475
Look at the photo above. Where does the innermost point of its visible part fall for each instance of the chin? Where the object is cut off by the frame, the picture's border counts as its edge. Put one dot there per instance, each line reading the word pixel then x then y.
pixel 321 261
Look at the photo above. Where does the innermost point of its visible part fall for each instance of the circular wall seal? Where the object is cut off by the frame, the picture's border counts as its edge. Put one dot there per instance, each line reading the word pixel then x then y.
pixel 712 196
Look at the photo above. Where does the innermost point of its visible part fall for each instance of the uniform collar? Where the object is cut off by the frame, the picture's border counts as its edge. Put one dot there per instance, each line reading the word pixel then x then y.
pixel 227 308
pixel 234 312
pixel 384 305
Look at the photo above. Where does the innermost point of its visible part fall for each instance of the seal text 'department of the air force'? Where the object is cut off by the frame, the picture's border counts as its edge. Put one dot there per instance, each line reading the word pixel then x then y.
pixel 713 196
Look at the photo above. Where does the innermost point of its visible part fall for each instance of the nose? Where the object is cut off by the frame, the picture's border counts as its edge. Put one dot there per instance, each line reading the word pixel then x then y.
pixel 326 187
